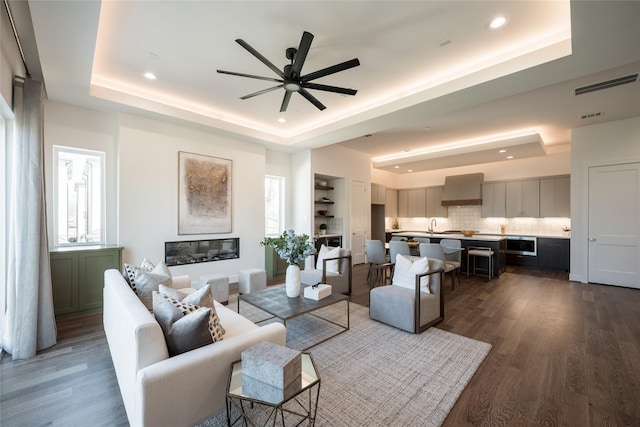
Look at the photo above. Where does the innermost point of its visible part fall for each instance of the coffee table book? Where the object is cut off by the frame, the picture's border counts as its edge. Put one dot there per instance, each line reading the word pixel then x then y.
pixel 317 292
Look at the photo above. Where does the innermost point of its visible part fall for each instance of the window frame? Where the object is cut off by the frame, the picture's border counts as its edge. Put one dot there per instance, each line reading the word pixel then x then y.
pixel 57 149
pixel 281 207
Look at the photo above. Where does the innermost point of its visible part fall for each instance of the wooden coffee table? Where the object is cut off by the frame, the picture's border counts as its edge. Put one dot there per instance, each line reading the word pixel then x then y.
pixel 274 300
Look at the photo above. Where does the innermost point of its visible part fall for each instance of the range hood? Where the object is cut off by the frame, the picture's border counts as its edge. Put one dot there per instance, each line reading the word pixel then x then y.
pixel 460 190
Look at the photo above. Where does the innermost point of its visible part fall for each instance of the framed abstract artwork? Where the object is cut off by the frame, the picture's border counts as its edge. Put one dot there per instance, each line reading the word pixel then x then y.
pixel 204 193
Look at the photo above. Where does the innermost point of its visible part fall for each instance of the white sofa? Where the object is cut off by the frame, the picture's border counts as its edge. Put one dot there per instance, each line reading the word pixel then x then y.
pixel 183 390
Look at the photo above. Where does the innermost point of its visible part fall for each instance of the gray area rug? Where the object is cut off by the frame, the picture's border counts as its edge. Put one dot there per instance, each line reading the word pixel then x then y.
pixel 376 375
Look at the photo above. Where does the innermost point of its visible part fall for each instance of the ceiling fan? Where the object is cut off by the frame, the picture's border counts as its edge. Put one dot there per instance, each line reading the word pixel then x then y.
pixel 290 78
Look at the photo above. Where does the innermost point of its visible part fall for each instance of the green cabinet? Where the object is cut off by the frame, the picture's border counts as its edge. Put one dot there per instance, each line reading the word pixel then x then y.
pixel 77 276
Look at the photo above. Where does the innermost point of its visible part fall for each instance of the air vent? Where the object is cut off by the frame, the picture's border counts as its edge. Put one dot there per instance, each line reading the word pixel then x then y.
pixel 605 85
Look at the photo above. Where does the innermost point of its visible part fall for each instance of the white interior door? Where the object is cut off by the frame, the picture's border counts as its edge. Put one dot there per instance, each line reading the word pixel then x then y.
pixel 614 225
pixel 358 221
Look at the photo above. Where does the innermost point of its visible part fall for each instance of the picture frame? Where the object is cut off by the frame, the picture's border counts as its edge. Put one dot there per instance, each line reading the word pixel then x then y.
pixel 204 194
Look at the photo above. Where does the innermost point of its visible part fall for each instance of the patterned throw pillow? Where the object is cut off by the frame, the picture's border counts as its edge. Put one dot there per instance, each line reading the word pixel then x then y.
pixel 183 331
pixel 201 298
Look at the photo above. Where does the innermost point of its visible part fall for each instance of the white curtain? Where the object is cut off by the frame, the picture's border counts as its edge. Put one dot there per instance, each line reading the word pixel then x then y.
pixel 30 323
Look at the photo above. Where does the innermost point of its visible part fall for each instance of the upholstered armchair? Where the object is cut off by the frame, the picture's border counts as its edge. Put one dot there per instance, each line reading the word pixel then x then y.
pixel 411 309
pixel 339 278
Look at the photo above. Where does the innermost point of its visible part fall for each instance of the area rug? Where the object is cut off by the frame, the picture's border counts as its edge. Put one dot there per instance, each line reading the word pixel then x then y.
pixel 374 374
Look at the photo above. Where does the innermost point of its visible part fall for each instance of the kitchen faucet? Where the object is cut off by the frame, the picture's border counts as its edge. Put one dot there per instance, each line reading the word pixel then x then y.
pixel 432 225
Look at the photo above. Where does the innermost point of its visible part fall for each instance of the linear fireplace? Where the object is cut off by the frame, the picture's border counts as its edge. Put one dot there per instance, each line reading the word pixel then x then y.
pixel 196 251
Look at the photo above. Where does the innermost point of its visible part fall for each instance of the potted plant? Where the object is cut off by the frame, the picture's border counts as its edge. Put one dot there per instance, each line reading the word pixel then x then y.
pixel 293 249
pixel 323 229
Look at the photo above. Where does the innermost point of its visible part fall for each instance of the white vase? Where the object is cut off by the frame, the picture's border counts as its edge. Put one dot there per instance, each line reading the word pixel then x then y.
pixel 292 281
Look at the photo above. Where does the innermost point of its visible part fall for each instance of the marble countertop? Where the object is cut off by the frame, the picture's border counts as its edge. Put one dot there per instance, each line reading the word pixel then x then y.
pixel 485 237
pixel 480 234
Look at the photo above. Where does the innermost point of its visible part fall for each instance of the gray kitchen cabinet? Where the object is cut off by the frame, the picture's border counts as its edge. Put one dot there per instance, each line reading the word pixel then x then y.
pixel 434 206
pixel 493 200
pixel 378 194
pixel 417 203
pixel 391 203
pixel 555 197
pixel 523 198
pixel 403 203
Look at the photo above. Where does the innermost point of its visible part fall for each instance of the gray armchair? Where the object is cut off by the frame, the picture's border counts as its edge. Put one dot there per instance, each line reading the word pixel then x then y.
pixel 340 282
pixel 410 309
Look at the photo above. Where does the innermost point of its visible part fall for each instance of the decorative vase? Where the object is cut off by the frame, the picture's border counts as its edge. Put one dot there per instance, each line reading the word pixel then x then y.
pixel 292 281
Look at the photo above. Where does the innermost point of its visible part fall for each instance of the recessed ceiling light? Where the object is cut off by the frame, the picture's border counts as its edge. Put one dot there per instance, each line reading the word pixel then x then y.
pixel 497 22
pixel 282 120
pixel 150 75
pixel 502 151
pixel 509 157
pixel 410 170
pixel 397 167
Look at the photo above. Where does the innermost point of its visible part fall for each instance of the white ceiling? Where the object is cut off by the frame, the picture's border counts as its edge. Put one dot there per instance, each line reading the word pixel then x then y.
pixel 413 94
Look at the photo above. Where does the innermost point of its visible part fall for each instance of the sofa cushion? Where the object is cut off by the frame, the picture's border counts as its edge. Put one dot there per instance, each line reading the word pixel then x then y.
pixel 406 269
pixel 146 282
pixel 183 330
pixel 200 298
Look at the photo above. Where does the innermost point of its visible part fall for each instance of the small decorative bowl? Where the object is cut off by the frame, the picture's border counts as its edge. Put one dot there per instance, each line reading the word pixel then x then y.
pixel 468 233
pixel 323 212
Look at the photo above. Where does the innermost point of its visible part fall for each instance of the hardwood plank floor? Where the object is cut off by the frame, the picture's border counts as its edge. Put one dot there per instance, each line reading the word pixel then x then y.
pixel 564 353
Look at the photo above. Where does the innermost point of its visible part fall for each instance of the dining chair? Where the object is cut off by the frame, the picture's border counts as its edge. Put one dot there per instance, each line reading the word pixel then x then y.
pixel 455 256
pixel 377 257
pixel 398 247
pixel 434 250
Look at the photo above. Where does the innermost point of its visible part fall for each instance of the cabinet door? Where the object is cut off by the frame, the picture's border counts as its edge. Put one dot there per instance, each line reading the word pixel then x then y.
pixel 493 200
pixel 391 203
pixel 382 194
pixel 554 197
pixel 64 281
pixel 417 203
pixel 553 253
pixel 523 198
pixel 403 203
pixel 91 267
pixel 434 206
pixel 374 194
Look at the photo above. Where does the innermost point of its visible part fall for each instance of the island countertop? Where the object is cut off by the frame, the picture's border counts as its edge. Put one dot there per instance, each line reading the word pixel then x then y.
pixel 458 236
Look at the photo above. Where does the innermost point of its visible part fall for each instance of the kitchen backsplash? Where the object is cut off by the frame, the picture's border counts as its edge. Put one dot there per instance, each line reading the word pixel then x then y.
pixel 468 218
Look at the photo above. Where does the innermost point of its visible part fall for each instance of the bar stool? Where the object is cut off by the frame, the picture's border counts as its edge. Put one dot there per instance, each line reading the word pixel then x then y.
pixel 480 251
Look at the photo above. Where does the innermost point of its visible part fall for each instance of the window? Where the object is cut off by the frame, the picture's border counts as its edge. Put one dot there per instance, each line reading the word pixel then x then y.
pixel 274 205
pixel 78 196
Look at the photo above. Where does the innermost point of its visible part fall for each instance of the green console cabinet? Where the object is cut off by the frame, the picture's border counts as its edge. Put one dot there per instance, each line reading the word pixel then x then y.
pixel 77 276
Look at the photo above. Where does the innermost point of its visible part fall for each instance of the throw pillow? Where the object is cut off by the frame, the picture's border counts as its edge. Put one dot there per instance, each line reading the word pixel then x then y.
pixel 182 331
pixel 328 252
pixel 201 298
pixel 147 265
pixel 129 275
pixel 146 282
pixel 406 269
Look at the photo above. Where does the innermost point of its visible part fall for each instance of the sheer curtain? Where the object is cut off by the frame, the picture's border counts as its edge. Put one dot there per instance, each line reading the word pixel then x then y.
pixel 30 321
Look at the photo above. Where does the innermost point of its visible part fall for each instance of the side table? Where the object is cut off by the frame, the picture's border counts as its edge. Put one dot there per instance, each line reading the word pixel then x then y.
pixel 245 409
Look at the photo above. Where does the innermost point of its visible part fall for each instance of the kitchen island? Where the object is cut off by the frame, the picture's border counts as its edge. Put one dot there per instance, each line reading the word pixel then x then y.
pixel 498 243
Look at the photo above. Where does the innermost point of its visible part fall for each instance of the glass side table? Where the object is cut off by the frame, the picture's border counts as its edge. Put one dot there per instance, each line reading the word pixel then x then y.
pixel 264 406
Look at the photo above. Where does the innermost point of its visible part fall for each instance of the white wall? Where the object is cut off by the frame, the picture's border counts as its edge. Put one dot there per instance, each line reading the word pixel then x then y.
pixel 598 145
pixel 76 127
pixel 148 193
pixel 279 164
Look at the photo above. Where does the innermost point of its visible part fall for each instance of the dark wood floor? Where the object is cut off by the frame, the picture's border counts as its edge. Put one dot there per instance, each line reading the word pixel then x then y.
pixel 563 353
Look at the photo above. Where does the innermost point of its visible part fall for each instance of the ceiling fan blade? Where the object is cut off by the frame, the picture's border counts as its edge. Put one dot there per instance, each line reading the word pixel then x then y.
pixel 335 89
pixel 251 76
pixel 312 99
pixel 301 54
pixel 260 92
pixel 331 70
pixel 262 59
pixel 285 101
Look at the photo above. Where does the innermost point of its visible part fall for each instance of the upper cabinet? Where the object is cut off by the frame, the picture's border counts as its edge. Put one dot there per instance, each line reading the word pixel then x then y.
pixel 420 203
pixel 493 200
pixel 555 197
pixel 378 194
pixel 434 206
pixel 523 198
pixel 391 205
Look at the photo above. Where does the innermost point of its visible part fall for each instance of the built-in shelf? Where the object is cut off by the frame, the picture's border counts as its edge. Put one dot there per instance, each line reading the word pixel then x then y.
pixel 323 187
pixel 320 202
pixel 325 216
